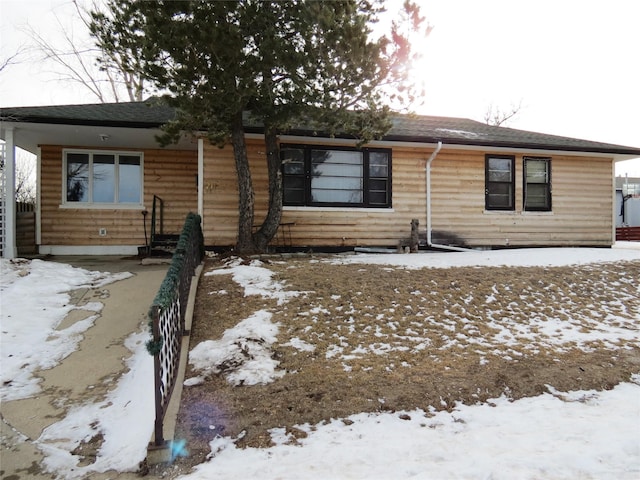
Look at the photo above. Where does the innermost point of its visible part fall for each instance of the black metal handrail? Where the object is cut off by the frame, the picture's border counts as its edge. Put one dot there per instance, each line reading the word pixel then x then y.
pixel 157 203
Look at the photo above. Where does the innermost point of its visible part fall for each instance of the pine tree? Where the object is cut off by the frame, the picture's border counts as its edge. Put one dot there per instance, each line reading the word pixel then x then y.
pixel 281 62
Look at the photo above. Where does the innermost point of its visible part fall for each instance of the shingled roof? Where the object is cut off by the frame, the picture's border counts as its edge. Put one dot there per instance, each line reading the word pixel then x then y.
pixel 149 114
pixel 406 128
pixel 462 131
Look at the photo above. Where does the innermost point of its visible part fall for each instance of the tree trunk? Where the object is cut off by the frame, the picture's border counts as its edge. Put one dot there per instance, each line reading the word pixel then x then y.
pixel 245 188
pixel 271 223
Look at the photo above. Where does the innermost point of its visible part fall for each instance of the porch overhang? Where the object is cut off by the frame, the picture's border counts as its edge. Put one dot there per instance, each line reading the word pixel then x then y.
pixel 29 136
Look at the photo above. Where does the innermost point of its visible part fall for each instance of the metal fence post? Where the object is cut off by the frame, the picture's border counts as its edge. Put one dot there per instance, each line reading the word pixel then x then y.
pixel 157 374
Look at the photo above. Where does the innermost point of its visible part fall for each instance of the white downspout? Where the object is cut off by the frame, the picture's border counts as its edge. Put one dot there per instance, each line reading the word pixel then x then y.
pixel 201 179
pixel 428 187
pixel 39 198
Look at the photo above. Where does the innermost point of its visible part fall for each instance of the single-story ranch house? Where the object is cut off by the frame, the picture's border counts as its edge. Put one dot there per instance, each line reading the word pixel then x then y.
pixel 99 169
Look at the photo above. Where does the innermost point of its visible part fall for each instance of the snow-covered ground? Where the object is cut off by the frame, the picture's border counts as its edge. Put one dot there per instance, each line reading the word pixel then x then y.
pixel 584 434
pixel 34 300
pixel 123 421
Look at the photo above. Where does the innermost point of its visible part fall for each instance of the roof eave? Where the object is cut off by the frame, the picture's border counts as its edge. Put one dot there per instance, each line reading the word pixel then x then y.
pixel 514 145
pixel 630 152
pixel 83 122
pixel 621 153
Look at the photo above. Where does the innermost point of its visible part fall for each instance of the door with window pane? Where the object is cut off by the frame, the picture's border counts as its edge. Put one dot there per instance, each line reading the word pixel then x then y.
pixel 499 183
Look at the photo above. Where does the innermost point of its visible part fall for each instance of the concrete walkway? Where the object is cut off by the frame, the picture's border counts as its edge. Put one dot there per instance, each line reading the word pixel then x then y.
pixel 88 373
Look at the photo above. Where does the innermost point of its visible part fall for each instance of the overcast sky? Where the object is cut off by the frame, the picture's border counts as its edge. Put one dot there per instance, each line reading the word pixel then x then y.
pixel 572 65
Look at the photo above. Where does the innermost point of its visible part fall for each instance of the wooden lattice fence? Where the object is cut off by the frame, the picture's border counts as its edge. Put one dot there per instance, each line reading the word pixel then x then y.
pixel 167 317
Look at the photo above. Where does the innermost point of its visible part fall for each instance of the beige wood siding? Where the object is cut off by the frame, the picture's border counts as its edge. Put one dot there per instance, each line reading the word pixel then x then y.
pixel 170 174
pixel 310 226
pixel 582 203
pixel 368 226
pixel 26 232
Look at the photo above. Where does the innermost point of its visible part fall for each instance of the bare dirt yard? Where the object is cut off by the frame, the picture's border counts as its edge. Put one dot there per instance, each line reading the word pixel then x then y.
pixel 370 338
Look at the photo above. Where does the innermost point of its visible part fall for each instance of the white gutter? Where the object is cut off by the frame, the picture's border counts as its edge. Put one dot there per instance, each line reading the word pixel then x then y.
pixel 450 146
pixel 428 187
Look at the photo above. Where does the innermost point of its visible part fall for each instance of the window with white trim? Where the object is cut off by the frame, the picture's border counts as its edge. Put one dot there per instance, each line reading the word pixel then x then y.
pixel 102 177
pixel 340 177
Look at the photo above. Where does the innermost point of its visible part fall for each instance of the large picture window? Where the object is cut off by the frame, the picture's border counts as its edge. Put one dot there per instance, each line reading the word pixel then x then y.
pixel 102 177
pixel 320 176
pixel 537 184
pixel 499 182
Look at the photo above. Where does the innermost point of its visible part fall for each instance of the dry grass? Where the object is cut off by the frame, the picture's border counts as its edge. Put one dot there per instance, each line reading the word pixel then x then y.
pixel 391 339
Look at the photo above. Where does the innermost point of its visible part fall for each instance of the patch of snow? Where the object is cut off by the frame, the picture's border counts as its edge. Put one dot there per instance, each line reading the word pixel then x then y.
pixel 279 436
pixel 524 257
pixel 333 351
pixel 190 382
pixel 300 345
pixel 243 354
pixel 123 440
pixel 35 300
pixel 255 279
pixel 585 434
pixel 459 133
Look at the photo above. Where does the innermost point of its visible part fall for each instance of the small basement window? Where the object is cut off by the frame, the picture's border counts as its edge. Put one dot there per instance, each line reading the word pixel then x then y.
pixel 102 178
pixel 336 177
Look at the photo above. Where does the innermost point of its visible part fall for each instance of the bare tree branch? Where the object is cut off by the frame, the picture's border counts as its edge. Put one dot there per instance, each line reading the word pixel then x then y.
pixel 11 59
pixel 25 178
pixel 77 60
pixel 497 117
pixel 70 62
